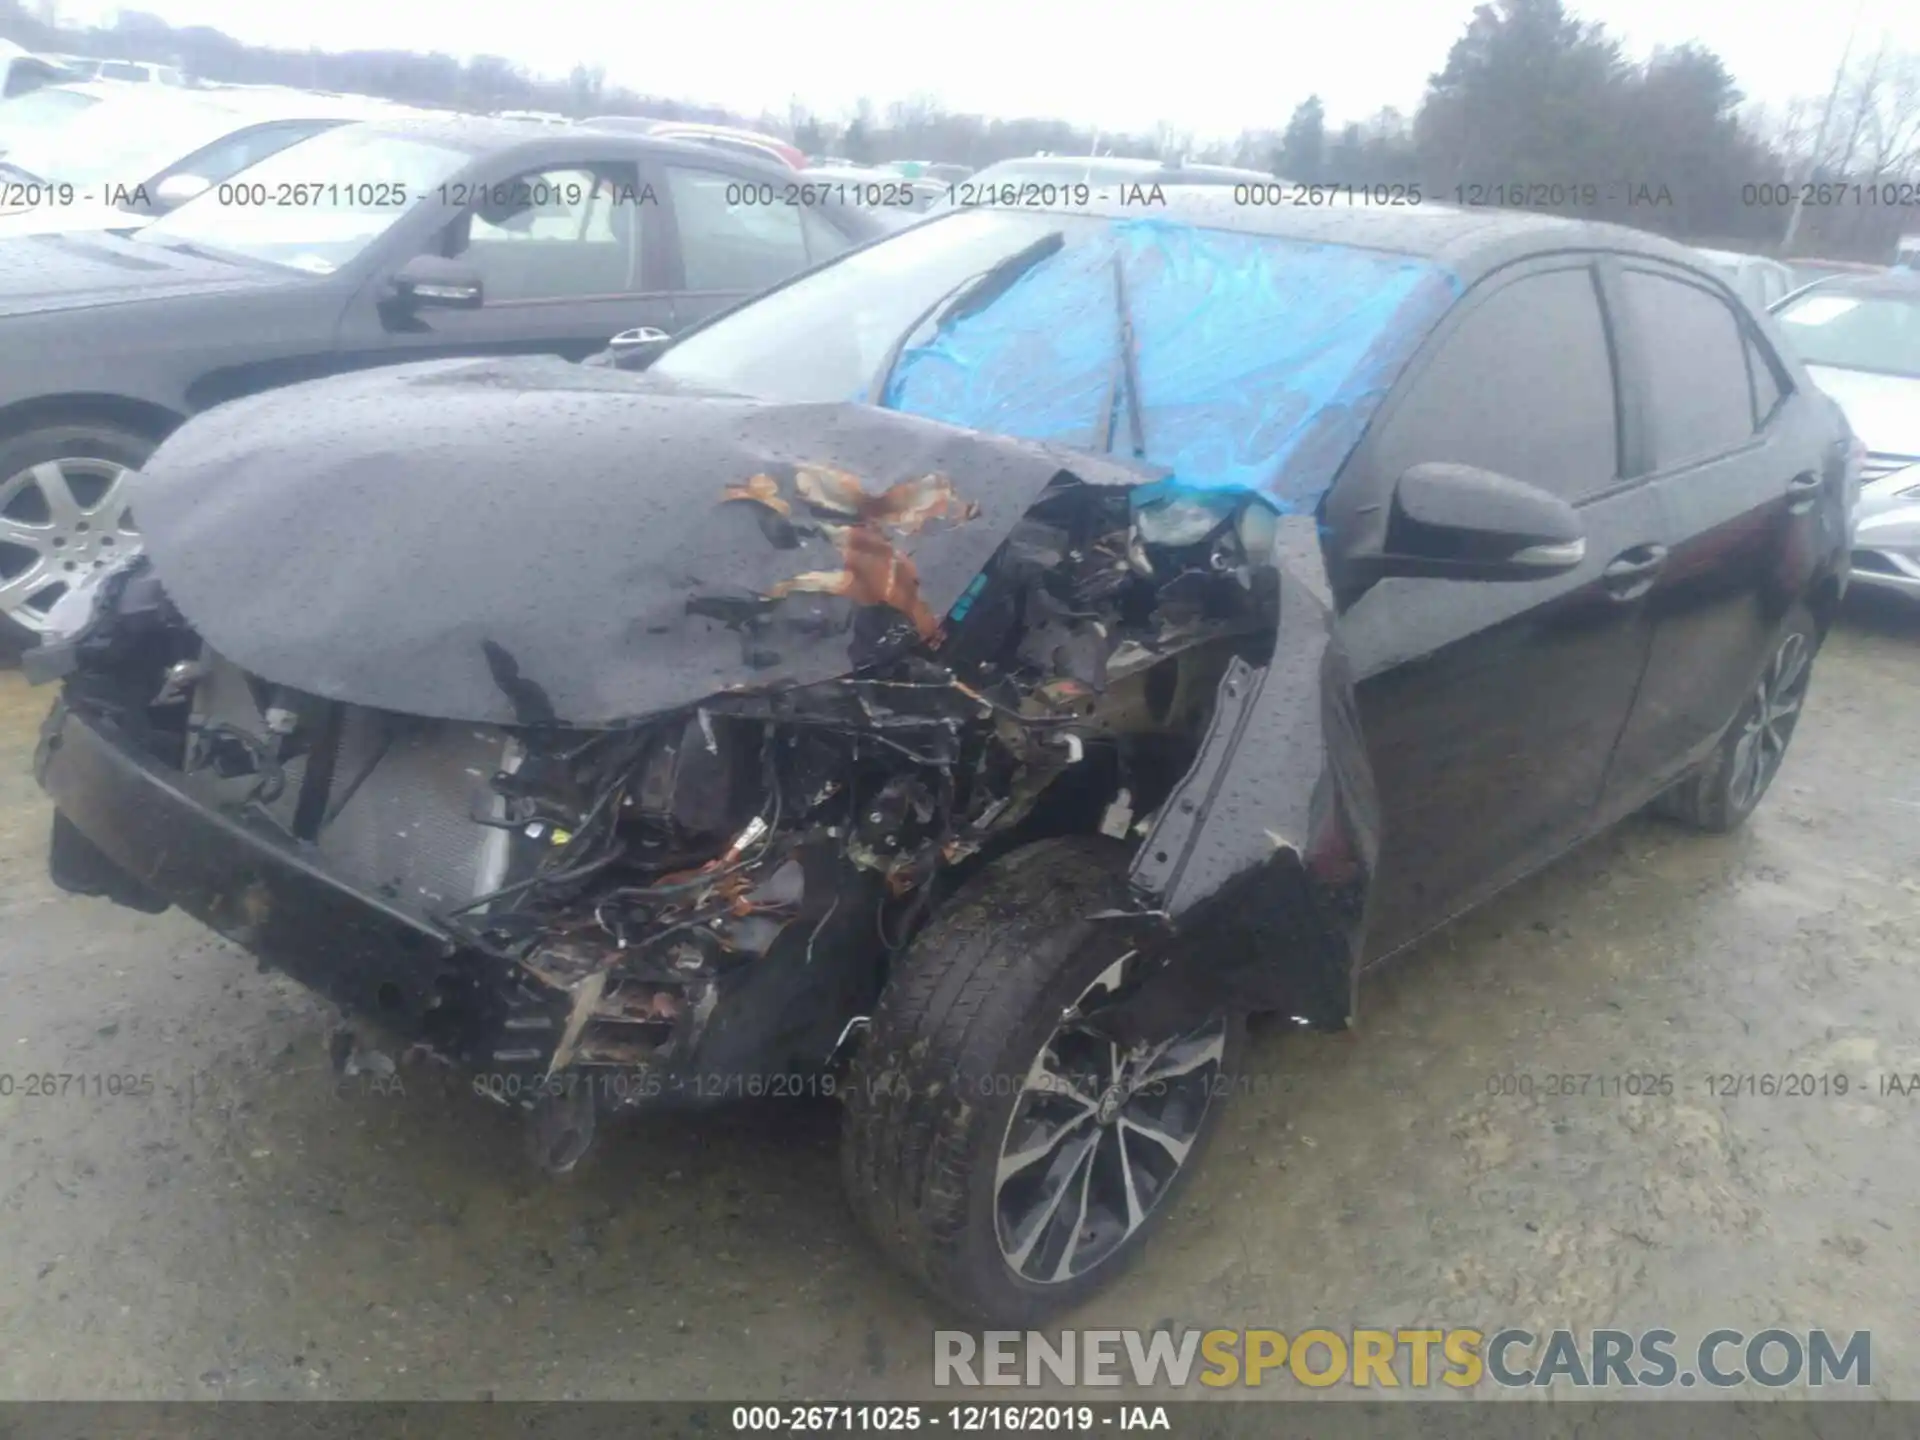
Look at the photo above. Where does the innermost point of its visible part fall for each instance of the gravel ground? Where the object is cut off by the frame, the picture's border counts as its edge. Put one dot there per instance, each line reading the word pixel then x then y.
pixel 257 1227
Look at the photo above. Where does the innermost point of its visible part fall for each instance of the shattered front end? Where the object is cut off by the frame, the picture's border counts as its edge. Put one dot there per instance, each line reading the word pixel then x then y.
pixel 661 813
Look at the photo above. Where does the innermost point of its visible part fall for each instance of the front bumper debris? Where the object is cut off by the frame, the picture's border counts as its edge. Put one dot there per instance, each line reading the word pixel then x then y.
pixel 262 892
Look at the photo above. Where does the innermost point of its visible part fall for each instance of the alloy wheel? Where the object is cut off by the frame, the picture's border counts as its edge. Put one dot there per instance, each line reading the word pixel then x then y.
pixel 1097 1136
pixel 59 521
pixel 1767 724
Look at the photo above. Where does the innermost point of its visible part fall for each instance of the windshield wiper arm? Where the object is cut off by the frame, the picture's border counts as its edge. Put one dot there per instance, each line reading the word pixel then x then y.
pixel 972 294
pixel 1126 376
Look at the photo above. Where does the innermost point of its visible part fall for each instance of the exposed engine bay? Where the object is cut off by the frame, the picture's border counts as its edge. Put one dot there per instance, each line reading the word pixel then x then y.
pixel 766 847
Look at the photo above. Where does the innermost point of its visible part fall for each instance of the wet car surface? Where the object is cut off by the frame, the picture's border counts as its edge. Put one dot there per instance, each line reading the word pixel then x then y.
pixel 985 752
pixel 259 1226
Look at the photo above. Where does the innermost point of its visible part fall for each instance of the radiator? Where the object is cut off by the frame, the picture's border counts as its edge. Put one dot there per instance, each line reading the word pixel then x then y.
pixel 398 820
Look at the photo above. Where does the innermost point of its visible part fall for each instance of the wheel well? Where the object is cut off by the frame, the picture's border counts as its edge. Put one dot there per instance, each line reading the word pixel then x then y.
pixel 140 416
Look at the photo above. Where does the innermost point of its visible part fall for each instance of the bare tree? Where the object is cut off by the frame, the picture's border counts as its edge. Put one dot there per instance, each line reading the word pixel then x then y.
pixel 1886 138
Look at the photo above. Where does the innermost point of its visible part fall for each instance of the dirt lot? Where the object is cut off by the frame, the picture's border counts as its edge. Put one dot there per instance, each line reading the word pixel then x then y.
pixel 257 1228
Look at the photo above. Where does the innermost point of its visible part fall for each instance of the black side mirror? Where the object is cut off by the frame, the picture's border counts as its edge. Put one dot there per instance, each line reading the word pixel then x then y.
pixel 1458 522
pixel 435 280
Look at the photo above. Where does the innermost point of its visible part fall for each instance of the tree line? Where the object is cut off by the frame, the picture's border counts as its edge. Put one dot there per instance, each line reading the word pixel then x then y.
pixel 1533 107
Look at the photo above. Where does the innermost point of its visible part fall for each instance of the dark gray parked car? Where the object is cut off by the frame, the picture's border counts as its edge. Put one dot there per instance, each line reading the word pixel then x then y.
pixel 366 245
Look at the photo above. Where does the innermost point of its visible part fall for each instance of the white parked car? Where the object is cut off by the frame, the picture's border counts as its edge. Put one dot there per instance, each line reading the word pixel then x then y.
pixel 127 72
pixel 138 155
pixel 137 72
pixel 48 108
pixel 21 71
pixel 1859 337
pixel 1761 282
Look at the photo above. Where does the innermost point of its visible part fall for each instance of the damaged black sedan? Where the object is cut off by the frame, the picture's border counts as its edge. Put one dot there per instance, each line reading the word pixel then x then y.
pixel 969 679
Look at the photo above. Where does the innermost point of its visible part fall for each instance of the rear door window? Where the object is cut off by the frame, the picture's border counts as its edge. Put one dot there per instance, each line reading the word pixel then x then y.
pixel 1522 387
pixel 1694 351
pixel 729 238
pixel 566 233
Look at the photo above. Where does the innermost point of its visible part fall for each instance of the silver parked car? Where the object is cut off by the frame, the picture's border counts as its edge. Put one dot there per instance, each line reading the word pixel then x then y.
pixel 1886 538
pixel 1859 336
pixel 141 153
pixel 1761 282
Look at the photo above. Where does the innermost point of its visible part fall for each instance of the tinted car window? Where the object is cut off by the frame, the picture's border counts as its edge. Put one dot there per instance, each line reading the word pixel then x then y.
pixel 1700 401
pixel 733 246
pixel 556 234
pixel 1523 387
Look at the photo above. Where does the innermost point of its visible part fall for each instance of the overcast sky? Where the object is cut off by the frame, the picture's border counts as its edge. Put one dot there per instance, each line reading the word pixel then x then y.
pixel 1212 67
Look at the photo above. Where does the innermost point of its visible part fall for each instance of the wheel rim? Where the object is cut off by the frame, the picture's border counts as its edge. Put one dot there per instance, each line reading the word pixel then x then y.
pixel 60 520
pixel 1767 723
pixel 1097 1137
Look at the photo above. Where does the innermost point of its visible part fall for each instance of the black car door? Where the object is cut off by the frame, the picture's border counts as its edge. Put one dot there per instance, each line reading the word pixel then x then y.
pixel 568 254
pixel 1738 460
pixel 737 233
pixel 1489 709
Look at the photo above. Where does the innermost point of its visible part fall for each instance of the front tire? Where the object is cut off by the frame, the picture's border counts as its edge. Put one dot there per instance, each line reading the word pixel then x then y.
pixel 1006 1158
pixel 1727 787
pixel 63 513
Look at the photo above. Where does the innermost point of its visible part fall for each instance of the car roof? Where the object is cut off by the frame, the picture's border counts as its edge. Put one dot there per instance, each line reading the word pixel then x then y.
pixel 194 118
pixel 243 105
pixel 1078 162
pixel 93 89
pixel 1882 282
pixel 1469 242
pixel 1834 267
pixel 1226 172
pixel 1736 257
pixel 489 135
pixel 302 103
pixel 730 132
pixel 861 173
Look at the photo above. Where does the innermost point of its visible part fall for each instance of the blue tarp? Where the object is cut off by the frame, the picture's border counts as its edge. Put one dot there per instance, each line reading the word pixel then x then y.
pixel 1259 359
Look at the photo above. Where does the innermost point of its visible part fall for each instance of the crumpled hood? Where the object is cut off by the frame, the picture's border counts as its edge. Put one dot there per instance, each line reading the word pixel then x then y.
pixel 530 541
pixel 40 273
